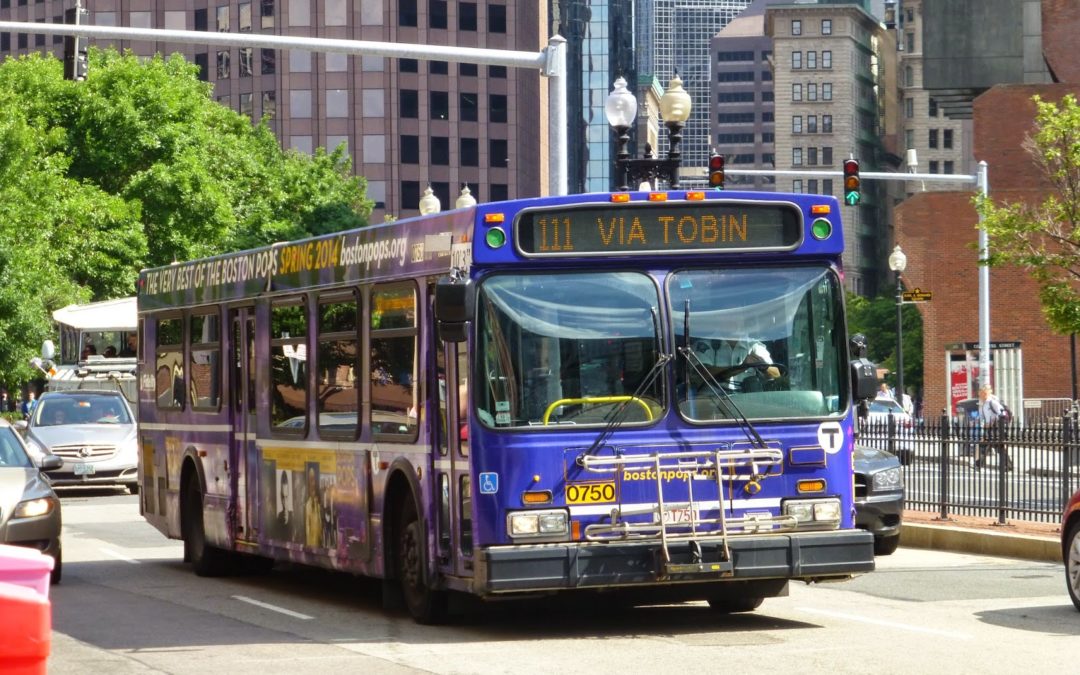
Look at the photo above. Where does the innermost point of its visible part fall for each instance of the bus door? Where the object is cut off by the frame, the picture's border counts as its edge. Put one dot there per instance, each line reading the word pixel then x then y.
pixel 242 415
pixel 452 487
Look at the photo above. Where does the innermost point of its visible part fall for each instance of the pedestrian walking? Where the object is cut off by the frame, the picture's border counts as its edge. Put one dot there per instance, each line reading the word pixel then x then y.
pixel 28 405
pixel 991 414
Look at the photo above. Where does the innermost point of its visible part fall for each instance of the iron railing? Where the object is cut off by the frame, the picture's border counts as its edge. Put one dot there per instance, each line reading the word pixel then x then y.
pixel 1039 471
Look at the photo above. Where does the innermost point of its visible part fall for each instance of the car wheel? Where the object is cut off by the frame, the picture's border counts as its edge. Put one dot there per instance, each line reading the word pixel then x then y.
pixel 735 605
pixel 1072 563
pixel 133 488
pixel 886 545
pixel 206 560
pixel 58 567
pixel 426 606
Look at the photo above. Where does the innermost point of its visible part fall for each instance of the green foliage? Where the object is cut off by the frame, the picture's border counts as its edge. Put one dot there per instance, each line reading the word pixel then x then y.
pixel 876 319
pixel 137 166
pixel 1044 238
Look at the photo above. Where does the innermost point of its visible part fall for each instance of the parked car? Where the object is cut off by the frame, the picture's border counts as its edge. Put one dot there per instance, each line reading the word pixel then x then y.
pixel 1070 546
pixel 29 509
pixel 93 432
pixel 879 496
pixel 880 410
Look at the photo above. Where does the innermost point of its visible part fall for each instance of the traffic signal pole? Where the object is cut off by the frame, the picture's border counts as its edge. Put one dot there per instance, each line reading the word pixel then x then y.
pixel 550 61
pixel 981 180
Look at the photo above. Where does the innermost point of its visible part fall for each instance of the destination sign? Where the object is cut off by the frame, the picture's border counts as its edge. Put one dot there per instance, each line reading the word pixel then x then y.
pixel 658 228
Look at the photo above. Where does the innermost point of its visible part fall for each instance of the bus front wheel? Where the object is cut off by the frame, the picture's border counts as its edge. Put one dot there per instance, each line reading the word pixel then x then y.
pixel 732 605
pixel 206 560
pixel 427 606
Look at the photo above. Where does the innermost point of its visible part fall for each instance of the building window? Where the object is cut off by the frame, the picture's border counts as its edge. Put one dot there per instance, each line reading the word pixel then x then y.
pixel 796 156
pixel 222 22
pixel 909 37
pixel 300 103
pixel 826 59
pixel 470 152
pixel 796 27
pixel 811 60
pixel 933 166
pixel 437 14
pixel 768 137
pixel 438 67
pixel 223 65
pixel 467 16
pixel 826 124
pixel 409 101
pixel 337 103
pixel 826 91
pixel 440 105
pixel 468 69
pixel 826 156
pixel 202 60
pixel 811 124
pixel 406 13
pixel 811 156
pixel 811 91
pixel 247 104
pixel 766 76
pixel 408 66
pixel 246 67
pixel 767 96
pixel 811 185
pixel 909 76
pixel 947 139
pixel 796 185
pixel 796 124
pixel 410 149
pixel 497 108
pixel 796 60
pixel 909 139
pixel 932 141
pixel 909 108
pixel 796 92
pixel 496 18
pixel 244 17
pixel 497 72
pixel 269 104
pixel 468 106
pixel 948 166
pixel 932 112
pixel 500 192
pixel 266 13
pixel 269 61
pixel 410 195
pixel 826 26
pixel 498 153
pixel 826 185
pixel 440 151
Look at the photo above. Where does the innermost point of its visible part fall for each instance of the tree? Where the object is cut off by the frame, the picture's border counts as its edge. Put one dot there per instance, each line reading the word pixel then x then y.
pixel 876 319
pixel 137 167
pixel 1043 238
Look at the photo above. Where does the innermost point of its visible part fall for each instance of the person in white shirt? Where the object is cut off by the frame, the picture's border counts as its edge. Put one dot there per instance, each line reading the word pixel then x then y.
pixel 720 356
pixel 993 429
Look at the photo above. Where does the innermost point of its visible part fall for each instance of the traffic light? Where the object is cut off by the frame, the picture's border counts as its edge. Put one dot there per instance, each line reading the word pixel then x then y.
pixel 716 171
pixel 852 182
pixel 75 64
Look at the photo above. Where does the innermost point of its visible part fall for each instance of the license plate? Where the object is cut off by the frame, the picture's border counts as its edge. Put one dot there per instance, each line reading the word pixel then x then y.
pixel 590 493
pixel 84 469
pixel 678 516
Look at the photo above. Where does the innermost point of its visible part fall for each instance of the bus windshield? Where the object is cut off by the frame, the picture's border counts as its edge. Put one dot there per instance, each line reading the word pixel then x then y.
pixel 773 339
pixel 567 349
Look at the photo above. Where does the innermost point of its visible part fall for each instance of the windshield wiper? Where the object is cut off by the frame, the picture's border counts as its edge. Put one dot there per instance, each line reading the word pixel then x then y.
pixel 615 418
pixel 715 388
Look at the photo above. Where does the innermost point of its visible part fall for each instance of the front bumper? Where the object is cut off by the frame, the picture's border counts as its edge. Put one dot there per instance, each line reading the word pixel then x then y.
pixel 811 556
pixel 41 533
pixel 880 514
pixel 115 476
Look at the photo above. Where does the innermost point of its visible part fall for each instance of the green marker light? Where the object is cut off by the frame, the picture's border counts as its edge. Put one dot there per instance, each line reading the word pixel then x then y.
pixel 495 237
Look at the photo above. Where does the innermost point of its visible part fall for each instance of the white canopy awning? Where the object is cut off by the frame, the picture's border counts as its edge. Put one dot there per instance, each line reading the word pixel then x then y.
pixel 117 314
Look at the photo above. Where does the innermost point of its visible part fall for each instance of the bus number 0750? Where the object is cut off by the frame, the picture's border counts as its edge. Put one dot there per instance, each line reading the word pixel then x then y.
pixel 590 493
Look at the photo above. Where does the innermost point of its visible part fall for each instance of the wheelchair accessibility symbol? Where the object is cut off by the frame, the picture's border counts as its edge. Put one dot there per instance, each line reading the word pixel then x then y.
pixel 489 483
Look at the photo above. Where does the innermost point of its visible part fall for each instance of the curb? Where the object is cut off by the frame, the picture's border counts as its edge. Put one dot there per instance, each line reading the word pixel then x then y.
pixel 982 542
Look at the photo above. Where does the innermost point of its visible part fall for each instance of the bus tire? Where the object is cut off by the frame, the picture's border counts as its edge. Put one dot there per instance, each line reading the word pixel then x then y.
pixel 427 606
pixel 886 545
pixel 733 605
pixel 206 560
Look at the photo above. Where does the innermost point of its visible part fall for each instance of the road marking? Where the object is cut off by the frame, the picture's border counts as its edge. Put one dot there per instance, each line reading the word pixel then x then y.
pixel 887 624
pixel 119 556
pixel 272 608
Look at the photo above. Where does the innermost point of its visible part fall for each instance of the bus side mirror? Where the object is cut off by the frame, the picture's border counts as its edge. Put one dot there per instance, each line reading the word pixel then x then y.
pixel 864 381
pixel 48 350
pixel 454 308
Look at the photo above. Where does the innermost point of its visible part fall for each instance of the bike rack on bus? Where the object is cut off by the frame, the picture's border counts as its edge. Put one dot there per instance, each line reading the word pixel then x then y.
pixel 749 465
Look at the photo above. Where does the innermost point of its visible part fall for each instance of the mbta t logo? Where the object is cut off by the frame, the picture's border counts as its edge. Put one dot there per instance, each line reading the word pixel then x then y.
pixel 852 182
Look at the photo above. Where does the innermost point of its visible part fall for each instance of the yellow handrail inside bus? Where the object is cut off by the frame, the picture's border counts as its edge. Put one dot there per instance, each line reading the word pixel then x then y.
pixel 596 400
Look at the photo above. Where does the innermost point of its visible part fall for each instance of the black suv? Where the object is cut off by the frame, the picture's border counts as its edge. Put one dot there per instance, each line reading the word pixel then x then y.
pixel 879 496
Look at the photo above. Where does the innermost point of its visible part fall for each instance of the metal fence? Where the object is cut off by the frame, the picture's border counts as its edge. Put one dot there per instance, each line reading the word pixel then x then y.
pixel 1022 472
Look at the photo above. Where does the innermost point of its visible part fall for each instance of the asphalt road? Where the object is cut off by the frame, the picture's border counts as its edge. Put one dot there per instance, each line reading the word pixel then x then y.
pixel 128 605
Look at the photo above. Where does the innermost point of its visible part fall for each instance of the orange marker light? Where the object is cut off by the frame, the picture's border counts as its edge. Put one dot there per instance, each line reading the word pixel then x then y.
pixel 536 497
pixel 494 217
pixel 620 197
pixel 821 209
pixel 695 196
pixel 657 196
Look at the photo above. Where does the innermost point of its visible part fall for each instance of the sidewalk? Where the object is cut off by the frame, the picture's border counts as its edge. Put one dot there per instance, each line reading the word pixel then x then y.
pixel 967 534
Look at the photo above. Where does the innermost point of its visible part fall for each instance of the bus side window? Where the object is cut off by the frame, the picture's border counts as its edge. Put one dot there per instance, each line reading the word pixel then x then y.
pixel 169 385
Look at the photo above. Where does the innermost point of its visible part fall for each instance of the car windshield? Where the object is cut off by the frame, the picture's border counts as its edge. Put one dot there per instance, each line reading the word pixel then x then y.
pixel 80 409
pixel 12 453
pixel 885 406
pixel 773 339
pixel 571 348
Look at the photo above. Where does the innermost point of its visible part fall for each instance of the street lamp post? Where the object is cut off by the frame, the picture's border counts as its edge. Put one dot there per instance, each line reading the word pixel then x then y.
pixel 621 111
pixel 898 263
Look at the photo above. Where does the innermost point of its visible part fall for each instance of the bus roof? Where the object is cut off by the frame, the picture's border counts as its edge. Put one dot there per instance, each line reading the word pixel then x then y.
pixel 119 314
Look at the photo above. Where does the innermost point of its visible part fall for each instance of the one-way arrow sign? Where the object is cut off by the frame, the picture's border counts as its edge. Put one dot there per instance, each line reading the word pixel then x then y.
pixel 917 295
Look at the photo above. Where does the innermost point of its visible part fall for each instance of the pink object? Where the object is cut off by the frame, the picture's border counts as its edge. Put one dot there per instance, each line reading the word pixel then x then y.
pixel 25 567
pixel 25 628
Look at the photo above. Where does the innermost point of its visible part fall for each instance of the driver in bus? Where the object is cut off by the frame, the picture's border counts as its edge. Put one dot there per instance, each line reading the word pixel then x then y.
pixel 720 356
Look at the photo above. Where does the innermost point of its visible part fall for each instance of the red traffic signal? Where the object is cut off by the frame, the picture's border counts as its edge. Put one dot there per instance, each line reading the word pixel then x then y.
pixel 852 182
pixel 716 171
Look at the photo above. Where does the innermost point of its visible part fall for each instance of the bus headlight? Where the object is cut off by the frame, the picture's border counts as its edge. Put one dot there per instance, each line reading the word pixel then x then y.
pixel 538 524
pixel 817 513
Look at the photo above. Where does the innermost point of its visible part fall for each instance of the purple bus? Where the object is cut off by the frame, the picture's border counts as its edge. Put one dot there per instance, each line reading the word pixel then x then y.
pixel 633 393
